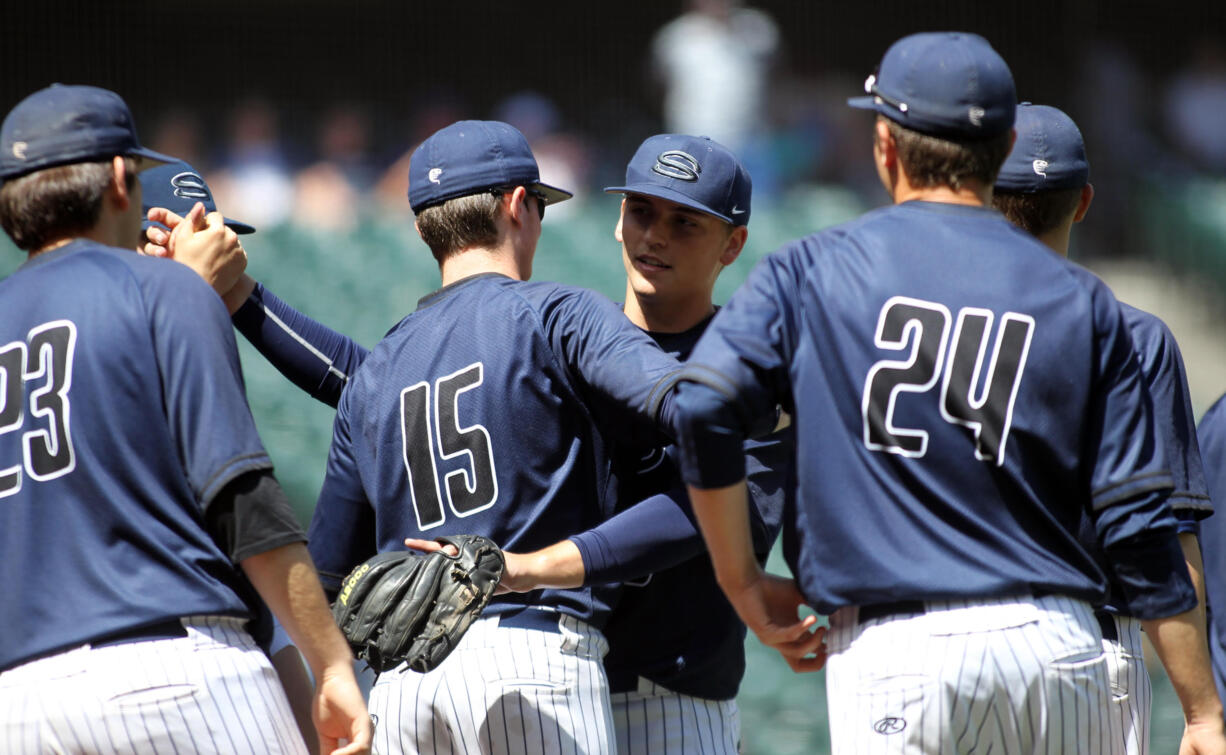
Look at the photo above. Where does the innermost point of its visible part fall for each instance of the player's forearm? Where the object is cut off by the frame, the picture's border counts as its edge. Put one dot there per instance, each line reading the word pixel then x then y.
pixel 723 517
pixel 285 578
pixel 557 566
pixel 1196 569
pixel 314 357
pixel 1181 645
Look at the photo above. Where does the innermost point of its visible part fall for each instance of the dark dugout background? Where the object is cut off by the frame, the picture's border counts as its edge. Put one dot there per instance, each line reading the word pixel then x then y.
pixel 588 56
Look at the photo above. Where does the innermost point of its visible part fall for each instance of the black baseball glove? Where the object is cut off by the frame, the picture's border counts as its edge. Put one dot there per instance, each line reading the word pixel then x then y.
pixel 411 606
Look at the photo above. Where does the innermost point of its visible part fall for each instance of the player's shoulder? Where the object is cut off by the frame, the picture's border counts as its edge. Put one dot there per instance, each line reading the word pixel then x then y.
pixel 84 257
pixel 1214 420
pixel 1151 337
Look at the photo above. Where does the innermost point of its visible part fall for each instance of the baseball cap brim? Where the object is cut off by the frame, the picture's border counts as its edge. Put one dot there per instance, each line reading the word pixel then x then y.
pixel 553 194
pixel 661 192
pixel 150 158
pixel 234 225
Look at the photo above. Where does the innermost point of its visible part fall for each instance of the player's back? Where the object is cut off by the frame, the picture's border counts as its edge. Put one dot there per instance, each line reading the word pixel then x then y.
pixel 93 466
pixel 962 364
pixel 484 412
pixel 1212 437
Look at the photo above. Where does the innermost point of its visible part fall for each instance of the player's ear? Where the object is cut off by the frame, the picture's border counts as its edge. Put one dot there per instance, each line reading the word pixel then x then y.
pixel 885 150
pixel 617 229
pixel 734 245
pixel 1083 206
pixel 118 187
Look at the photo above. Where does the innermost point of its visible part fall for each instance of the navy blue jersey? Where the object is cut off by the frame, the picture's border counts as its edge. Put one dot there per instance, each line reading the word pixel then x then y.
pixel 962 397
pixel 1212 436
pixel 122 416
pixel 1166 382
pixel 483 412
pixel 676 627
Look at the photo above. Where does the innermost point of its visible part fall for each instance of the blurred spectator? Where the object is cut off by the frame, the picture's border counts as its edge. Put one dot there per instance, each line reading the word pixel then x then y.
pixel 714 62
pixel 562 156
pixel 433 112
pixel 327 193
pixel 253 170
pixel 1195 108
pixel 178 132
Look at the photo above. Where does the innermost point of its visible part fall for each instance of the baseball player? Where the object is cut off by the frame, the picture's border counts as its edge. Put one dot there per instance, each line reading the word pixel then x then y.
pixel 961 397
pixel 177 186
pixel 478 413
pixel 1043 187
pixel 677 650
pixel 1212 436
pixel 139 507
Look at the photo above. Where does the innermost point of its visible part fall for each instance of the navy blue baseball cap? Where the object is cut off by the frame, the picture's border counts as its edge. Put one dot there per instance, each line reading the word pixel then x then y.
pixel 694 171
pixel 178 187
pixel 1049 153
pixel 946 84
pixel 62 124
pixel 469 157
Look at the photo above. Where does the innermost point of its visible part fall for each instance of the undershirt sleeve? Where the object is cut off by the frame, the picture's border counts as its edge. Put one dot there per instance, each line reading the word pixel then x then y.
pixel 251 515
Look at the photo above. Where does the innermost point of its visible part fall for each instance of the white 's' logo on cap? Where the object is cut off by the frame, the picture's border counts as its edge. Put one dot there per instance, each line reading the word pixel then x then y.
pixel 19 150
pixel 677 164
pixel 434 174
pixel 976 115
pixel 188 185
pixel 1040 167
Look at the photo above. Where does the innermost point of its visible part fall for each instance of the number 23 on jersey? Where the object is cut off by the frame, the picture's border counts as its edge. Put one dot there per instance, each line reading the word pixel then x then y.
pixel 981 403
pixel 45 357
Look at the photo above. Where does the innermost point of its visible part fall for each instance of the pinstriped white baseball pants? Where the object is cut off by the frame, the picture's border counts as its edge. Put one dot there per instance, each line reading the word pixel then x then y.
pixel 654 719
pixel 1021 675
pixel 1131 693
pixel 502 691
pixel 213 691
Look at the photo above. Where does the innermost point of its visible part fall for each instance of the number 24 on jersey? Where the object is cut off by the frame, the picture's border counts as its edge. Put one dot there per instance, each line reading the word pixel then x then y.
pixel 987 410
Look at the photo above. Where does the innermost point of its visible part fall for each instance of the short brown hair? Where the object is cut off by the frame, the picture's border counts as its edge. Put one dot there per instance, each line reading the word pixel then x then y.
pixel 932 161
pixel 1037 212
pixel 460 223
pixel 40 207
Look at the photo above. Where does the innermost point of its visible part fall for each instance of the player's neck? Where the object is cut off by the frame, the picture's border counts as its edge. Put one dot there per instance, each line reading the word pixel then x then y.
pixel 479 260
pixel 1058 238
pixel 671 316
pixel 103 233
pixel 972 192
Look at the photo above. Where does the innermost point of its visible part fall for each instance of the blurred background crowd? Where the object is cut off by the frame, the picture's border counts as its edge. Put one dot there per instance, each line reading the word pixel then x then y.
pixel 301 115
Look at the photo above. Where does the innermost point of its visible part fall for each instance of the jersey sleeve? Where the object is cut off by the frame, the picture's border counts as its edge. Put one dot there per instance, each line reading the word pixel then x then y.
pixel 1126 449
pixel 1130 481
pixel 312 356
pixel 202 383
pixel 1167 383
pixel 736 378
pixel 342 531
pixel 623 373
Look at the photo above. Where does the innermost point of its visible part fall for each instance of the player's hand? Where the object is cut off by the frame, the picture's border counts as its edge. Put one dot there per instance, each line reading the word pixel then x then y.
pixel 430 546
pixel 770 606
pixel 1203 738
pixel 202 242
pixel 340 714
pixel 514 574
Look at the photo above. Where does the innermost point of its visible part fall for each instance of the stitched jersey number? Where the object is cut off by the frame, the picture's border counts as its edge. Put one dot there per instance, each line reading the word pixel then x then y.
pixel 468 490
pixel 46 355
pixel 987 413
